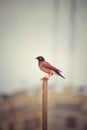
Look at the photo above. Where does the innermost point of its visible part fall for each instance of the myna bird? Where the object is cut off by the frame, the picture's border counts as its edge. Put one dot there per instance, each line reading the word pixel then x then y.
pixel 48 68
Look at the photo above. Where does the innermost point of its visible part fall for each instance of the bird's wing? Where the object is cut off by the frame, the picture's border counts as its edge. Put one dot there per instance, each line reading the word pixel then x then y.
pixel 49 66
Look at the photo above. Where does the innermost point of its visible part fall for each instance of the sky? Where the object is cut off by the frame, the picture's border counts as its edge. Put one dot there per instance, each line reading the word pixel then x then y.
pixel 29 28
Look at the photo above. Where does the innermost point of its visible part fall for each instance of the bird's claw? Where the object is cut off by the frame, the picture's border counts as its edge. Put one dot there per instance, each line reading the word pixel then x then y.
pixel 44 78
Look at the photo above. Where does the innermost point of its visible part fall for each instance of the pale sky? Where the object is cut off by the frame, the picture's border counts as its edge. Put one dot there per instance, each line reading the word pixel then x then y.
pixel 27 30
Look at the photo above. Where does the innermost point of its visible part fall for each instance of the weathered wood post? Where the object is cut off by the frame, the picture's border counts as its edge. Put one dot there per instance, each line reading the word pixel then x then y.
pixel 44 103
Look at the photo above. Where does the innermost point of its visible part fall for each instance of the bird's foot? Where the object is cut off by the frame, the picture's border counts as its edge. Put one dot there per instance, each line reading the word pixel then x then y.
pixel 44 78
pixel 47 77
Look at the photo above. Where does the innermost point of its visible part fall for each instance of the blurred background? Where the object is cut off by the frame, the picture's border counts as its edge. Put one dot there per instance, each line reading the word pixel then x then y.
pixel 56 30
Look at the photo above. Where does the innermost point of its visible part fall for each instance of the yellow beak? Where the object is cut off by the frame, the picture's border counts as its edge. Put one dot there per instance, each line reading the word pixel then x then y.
pixel 35 58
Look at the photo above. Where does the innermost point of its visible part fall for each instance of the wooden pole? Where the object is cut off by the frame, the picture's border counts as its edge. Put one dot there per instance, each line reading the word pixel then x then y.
pixel 44 103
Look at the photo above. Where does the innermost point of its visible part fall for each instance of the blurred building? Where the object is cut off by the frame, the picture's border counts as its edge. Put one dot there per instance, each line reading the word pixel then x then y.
pixel 68 110
pixel 22 111
pixel 19 112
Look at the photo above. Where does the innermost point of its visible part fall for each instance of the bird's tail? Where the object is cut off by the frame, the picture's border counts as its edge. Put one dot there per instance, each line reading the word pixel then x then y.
pixel 58 72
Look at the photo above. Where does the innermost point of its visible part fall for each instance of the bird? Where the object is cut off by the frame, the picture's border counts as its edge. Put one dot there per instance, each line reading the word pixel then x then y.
pixel 48 68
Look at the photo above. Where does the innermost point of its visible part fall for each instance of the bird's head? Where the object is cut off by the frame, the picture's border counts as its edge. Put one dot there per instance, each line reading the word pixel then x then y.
pixel 40 58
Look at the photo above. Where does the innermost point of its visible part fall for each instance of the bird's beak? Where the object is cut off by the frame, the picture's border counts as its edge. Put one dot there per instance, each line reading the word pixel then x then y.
pixel 35 58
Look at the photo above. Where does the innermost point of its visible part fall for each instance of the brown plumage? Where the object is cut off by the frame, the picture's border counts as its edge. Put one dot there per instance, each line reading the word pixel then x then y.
pixel 48 68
